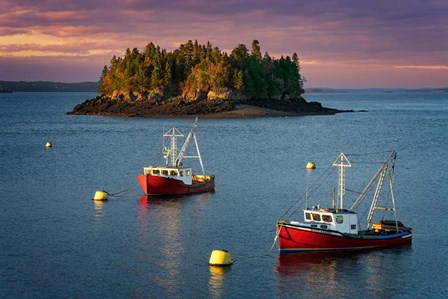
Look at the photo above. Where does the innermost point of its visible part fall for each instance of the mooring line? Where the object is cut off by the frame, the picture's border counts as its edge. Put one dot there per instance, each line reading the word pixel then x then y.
pixel 125 190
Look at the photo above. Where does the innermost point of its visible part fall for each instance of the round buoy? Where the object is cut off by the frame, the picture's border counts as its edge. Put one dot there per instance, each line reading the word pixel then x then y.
pixel 101 195
pixel 220 258
pixel 49 144
pixel 310 165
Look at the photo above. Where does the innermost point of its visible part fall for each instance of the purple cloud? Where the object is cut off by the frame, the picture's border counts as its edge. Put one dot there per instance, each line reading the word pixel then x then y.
pixel 347 35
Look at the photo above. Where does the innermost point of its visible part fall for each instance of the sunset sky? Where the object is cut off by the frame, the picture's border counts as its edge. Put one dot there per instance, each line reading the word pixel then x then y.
pixel 341 44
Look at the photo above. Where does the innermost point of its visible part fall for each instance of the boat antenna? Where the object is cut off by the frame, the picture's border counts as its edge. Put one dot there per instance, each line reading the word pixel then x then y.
pixel 341 162
pixel 333 198
pixel 306 189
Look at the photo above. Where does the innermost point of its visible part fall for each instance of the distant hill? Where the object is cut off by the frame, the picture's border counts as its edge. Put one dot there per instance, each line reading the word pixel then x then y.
pixel 45 86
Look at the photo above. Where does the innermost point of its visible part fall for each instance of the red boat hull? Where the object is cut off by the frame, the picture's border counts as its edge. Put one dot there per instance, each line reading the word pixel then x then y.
pixel 300 238
pixel 155 185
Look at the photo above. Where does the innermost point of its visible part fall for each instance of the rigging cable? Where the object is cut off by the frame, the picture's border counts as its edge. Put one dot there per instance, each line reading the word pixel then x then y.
pixel 290 211
pixel 368 154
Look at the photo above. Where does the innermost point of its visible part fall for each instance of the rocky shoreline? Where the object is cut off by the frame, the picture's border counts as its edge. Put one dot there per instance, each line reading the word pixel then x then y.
pixel 222 104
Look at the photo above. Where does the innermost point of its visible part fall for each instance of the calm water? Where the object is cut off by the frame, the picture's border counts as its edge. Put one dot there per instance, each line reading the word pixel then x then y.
pixel 56 242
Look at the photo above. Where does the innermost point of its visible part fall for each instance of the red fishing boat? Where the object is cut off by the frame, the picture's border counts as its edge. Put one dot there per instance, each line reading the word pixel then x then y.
pixel 336 228
pixel 174 178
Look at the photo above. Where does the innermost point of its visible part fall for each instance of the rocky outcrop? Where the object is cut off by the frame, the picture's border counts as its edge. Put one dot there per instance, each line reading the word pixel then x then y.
pixel 159 104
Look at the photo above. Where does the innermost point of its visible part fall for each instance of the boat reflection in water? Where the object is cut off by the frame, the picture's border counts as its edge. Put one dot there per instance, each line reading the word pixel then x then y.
pixel 159 233
pixel 163 243
pixel 314 273
pixel 146 201
pixel 331 274
pixel 297 263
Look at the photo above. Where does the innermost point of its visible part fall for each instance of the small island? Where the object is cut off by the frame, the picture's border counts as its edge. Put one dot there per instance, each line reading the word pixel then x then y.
pixel 201 80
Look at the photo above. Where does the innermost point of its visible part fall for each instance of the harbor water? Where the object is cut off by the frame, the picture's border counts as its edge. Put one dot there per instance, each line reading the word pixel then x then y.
pixel 56 242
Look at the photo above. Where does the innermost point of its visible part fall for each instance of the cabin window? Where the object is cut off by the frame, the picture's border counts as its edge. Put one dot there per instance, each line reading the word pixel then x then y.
pixel 313 225
pixel 173 172
pixel 187 172
pixel 316 217
pixel 327 218
pixel 340 219
pixel 164 172
pixel 181 173
pixel 156 171
pixel 353 226
pixel 307 216
pixel 324 226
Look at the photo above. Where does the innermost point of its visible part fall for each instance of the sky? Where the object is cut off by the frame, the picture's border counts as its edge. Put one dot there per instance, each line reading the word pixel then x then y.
pixel 340 43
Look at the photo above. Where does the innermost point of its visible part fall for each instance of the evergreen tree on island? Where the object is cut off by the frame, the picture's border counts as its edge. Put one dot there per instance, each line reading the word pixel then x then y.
pixel 193 70
pixel 197 79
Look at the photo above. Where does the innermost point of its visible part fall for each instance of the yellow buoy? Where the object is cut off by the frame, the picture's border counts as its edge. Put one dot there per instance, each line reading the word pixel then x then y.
pixel 220 258
pixel 310 165
pixel 101 195
pixel 49 144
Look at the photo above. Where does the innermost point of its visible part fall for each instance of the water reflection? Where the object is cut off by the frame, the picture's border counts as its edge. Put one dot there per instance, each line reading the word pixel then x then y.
pixel 204 195
pixel 216 280
pixel 146 200
pixel 378 281
pixel 296 263
pixel 342 274
pixel 159 200
pixel 159 236
pixel 163 238
pixel 316 274
pixel 98 206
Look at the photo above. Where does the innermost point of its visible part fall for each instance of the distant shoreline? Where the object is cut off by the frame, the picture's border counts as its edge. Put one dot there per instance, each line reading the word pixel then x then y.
pixel 249 111
pixel 48 86
pixel 90 86
pixel 132 104
pixel 243 111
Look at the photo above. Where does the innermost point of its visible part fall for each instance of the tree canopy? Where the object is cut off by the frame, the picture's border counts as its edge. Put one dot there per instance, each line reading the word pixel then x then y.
pixel 201 68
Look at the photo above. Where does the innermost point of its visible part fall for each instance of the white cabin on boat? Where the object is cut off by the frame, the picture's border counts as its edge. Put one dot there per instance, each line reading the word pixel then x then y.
pixel 182 174
pixel 342 220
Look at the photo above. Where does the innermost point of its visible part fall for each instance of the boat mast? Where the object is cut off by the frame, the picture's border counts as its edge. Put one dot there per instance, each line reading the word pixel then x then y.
pixel 391 186
pixel 380 176
pixel 184 147
pixel 341 162
pixel 199 154
pixel 380 171
pixel 171 152
pixel 374 206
